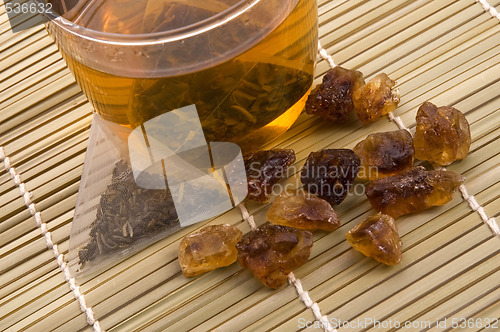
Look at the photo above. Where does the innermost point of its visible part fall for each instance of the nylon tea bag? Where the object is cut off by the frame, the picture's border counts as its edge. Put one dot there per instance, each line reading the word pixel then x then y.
pixel 140 185
pixel 113 216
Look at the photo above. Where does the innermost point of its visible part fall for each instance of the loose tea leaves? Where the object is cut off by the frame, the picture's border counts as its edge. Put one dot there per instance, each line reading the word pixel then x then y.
pixel 232 100
pixel 127 213
pixel 208 248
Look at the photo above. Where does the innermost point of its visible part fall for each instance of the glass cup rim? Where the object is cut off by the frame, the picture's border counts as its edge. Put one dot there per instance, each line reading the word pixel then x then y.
pixel 155 38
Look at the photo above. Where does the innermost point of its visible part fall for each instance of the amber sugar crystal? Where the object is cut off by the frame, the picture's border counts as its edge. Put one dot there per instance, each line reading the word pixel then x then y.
pixel 384 154
pixel 209 248
pixel 304 211
pixel 264 169
pixel 330 173
pixel 413 190
pixel 377 237
pixel 375 98
pixel 332 99
pixel 271 252
pixel 442 134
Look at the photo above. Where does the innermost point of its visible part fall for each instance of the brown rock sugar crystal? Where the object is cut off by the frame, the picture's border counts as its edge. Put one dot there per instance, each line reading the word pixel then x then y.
pixel 442 134
pixel 375 98
pixel 377 237
pixel 332 99
pixel 412 190
pixel 209 248
pixel 271 252
pixel 384 154
pixel 330 173
pixel 304 211
pixel 264 169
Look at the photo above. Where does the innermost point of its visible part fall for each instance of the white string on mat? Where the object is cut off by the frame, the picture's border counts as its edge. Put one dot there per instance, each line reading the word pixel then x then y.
pixel 303 295
pixel 398 121
pixel 474 205
pixel 247 217
pixel 63 266
pixel 487 7
pixel 322 52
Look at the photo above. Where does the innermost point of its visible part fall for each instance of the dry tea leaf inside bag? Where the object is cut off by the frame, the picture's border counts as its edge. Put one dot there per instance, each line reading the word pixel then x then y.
pixel 114 217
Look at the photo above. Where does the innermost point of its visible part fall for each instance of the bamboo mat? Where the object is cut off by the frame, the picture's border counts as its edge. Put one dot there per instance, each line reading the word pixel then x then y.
pixel 447 52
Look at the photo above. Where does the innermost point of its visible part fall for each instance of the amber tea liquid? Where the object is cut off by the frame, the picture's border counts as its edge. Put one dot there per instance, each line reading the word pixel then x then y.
pixel 249 99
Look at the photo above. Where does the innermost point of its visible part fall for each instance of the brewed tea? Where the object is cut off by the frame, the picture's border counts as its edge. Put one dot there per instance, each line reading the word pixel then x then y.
pixel 248 99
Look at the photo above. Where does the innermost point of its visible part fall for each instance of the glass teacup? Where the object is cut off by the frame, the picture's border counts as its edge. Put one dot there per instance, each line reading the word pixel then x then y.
pixel 246 65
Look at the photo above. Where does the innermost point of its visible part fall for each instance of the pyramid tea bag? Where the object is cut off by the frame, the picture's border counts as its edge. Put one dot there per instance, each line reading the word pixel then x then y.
pixel 114 217
pixel 143 184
